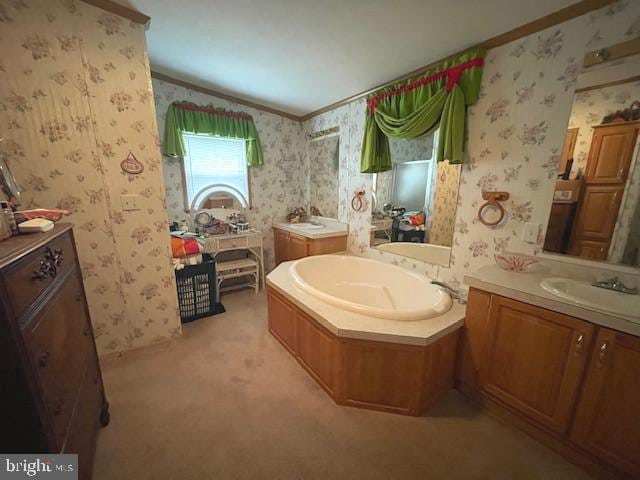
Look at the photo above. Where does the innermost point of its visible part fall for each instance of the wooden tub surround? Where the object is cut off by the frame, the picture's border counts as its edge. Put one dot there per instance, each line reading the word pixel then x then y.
pixel 378 375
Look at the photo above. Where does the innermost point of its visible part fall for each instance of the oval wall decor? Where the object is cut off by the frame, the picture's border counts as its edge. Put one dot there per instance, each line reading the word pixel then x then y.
pixel 132 165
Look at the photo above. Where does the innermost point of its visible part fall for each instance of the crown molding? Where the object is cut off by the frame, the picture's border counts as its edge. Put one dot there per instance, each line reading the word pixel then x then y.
pixel 224 96
pixel 555 18
pixel 126 12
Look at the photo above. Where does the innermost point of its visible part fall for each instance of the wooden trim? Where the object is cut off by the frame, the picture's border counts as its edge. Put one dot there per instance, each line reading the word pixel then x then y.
pixel 608 84
pixel 224 96
pixel 614 52
pixel 121 10
pixel 555 18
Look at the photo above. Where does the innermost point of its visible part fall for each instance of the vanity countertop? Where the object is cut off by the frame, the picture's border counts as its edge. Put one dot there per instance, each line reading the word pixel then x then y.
pixel 345 323
pixel 525 287
pixel 326 231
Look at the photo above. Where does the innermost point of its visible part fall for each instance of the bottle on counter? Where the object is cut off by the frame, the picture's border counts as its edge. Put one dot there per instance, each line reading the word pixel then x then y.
pixel 7 213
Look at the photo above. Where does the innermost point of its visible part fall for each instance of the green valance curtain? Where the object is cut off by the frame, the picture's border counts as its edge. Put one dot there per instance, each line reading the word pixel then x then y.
pixel 412 108
pixel 190 118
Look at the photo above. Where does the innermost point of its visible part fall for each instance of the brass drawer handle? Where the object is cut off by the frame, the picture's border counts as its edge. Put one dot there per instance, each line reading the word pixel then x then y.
pixel 43 360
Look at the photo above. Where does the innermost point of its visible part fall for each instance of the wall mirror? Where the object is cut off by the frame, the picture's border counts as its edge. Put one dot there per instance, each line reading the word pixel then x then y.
pixel 595 212
pixel 414 204
pixel 324 155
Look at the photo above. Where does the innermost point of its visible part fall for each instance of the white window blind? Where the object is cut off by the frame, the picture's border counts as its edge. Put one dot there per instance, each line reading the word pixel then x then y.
pixel 212 160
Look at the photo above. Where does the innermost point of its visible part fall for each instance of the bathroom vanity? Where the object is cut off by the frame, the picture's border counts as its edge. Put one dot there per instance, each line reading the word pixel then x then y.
pixel 568 375
pixel 293 241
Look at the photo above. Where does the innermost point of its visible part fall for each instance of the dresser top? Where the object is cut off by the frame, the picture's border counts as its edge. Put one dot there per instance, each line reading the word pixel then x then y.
pixel 13 248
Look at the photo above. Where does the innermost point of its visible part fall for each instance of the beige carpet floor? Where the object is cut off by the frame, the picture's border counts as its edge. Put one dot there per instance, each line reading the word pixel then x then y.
pixel 225 401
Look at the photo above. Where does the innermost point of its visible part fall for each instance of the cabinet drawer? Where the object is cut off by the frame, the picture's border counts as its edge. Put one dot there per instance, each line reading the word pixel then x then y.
pixel 60 342
pixel 27 279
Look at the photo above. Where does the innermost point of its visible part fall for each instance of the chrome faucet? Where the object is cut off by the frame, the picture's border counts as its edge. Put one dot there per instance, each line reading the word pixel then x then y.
pixel 616 285
pixel 453 293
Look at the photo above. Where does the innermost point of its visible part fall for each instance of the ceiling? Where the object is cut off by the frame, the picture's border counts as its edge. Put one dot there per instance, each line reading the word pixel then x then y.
pixel 301 55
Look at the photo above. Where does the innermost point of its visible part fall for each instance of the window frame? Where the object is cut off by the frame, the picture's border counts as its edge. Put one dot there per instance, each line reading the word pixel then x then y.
pixel 185 190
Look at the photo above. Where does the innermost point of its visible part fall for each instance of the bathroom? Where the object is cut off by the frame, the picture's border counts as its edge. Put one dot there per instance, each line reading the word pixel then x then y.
pixel 324 350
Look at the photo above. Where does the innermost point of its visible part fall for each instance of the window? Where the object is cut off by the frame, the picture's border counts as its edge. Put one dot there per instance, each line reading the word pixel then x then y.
pixel 210 160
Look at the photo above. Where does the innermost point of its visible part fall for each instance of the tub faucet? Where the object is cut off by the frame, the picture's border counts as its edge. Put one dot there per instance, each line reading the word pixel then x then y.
pixel 453 293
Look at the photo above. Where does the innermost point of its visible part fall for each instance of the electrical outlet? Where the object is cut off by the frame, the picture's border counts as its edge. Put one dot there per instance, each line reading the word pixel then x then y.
pixel 530 234
pixel 131 202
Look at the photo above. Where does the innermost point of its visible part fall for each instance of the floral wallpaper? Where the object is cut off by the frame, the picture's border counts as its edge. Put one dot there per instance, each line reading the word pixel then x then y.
pixel 75 99
pixel 589 108
pixel 515 133
pixel 445 203
pixel 276 187
pixel 323 176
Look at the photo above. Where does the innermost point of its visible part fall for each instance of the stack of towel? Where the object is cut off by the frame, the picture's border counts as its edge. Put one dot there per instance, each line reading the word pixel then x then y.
pixel 186 249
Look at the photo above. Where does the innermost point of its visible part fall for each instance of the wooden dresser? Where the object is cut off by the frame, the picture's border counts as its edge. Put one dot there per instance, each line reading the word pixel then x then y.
pixel 51 392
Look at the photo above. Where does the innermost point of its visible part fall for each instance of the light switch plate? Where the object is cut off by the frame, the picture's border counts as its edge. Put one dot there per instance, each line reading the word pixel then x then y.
pixel 131 202
pixel 530 234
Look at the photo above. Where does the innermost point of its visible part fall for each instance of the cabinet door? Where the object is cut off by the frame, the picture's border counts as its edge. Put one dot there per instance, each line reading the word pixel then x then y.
pixel 535 361
pixel 297 247
pixel 607 421
pixel 599 211
pixel 317 350
pixel 282 320
pixel 281 246
pixel 611 152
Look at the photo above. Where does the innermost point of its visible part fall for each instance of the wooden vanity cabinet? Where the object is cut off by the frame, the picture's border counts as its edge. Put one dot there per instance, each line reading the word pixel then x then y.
pixel 289 246
pixel 607 420
pixel 571 384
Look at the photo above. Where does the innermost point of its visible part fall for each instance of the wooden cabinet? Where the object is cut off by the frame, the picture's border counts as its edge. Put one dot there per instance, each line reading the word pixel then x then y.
pixel 607 421
pixel 607 170
pixel 53 398
pixel 571 384
pixel 289 246
pixel 317 350
pixel 611 151
pixel 535 360
pixel 559 227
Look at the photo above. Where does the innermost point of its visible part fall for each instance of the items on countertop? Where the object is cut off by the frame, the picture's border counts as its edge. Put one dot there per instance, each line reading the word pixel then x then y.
pixel 517 263
pixel 296 215
pixel 9 220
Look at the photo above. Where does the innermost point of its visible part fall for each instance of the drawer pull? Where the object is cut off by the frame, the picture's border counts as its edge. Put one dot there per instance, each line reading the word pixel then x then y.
pixel 49 264
pixel 602 354
pixel 579 344
pixel 43 360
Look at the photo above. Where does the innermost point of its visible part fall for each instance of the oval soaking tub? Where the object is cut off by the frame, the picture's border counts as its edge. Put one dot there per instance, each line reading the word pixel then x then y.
pixel 370 287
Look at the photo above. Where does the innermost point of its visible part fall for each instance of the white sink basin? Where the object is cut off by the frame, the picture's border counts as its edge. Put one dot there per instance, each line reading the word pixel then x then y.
pixel 306 226
pixel 583 293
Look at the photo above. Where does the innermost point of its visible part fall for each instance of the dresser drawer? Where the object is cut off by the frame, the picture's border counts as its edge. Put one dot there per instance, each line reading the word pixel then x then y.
pixel 28 278
pixel 60 342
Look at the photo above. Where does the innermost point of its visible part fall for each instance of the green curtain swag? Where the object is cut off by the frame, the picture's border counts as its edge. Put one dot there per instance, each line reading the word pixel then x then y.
pixel 190 118
pixel 414 107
